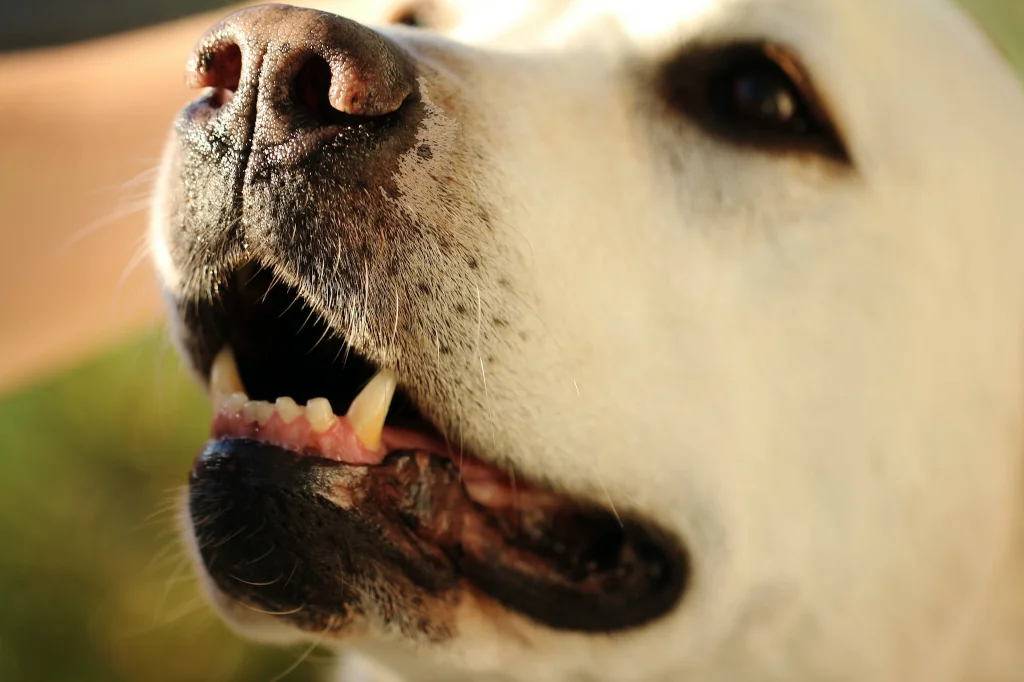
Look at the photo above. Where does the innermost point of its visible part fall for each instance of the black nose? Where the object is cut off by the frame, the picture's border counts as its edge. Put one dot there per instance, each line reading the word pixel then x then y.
pixel 277 71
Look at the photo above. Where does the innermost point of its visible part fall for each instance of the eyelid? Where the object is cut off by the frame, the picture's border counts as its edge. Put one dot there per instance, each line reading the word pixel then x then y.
pixel 798 76
pixel 414 10
pixel 687 80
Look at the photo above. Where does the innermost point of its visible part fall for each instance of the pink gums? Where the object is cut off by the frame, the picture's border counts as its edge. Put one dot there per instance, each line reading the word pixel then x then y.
pixel 339 443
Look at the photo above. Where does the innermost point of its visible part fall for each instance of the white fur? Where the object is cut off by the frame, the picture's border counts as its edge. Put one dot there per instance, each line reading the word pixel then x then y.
pixel 814 375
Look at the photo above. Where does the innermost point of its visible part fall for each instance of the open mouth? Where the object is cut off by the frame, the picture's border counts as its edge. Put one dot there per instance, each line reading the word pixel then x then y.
pixel 321 468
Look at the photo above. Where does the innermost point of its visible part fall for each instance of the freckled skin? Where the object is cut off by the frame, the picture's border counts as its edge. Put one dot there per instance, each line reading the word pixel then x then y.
pixel 356 256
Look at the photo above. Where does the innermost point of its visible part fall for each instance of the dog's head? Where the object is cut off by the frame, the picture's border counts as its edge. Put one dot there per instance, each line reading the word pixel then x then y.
pixel 696 325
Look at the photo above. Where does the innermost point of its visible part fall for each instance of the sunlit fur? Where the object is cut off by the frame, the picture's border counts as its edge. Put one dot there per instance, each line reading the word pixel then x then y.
pixel 811 372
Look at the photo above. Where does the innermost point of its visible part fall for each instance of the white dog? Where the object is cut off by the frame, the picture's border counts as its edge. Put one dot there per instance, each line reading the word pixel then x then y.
pixel 677 340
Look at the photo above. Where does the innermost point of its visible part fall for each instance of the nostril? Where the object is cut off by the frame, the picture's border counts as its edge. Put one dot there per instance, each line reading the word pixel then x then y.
pixel 276 72
pixel 219 67
pixel 311 94
pixel 311 89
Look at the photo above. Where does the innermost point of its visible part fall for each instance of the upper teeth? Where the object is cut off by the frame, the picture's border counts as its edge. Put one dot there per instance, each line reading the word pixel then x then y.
pixel 224 378
pixel 320 415
pixel 366 414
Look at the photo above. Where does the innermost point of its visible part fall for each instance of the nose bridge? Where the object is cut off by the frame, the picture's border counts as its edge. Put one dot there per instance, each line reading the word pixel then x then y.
pixel 257 54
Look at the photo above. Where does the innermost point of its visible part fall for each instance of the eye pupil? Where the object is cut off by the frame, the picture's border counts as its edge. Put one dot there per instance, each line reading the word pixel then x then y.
pixel 410 19
pixel 763 96
pixel 417 14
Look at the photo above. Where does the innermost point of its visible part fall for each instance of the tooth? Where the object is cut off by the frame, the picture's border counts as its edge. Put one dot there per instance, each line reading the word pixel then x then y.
pixel 288 409
pixel 369 409
pixel 234 404
pixel 264 411
pixel 224 378
pixel 319 414
pixel 249 411
pixel 494 494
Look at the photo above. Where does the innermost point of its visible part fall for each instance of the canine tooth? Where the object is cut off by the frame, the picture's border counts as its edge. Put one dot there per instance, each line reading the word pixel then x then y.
pixel 369 409
pixel 264 411
pixel 234 404
pixel 288 409
pixel 224 377
pixel 319 414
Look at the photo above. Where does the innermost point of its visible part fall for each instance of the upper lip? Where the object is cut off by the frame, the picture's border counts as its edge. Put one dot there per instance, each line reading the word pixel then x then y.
pixel 282 345
pixel 265 352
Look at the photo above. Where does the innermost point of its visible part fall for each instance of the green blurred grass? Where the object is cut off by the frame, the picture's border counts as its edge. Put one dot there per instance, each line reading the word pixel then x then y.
pixel 93 584
pixel 1003 20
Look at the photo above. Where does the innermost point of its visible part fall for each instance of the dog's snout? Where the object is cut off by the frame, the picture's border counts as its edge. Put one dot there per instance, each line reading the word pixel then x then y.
pixel 289 69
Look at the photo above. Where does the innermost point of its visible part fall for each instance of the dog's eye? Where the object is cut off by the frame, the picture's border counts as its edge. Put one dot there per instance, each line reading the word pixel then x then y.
pixel 759 97
pixel 417 15
pixel 753 95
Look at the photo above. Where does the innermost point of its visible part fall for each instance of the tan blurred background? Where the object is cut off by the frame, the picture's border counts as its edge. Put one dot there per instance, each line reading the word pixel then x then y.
pixel 93 584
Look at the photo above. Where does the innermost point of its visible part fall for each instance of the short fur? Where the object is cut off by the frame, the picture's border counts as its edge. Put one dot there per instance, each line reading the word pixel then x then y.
pixel 809 370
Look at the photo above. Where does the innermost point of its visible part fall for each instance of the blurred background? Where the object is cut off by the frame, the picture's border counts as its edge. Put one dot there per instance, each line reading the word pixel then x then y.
pixel 94 586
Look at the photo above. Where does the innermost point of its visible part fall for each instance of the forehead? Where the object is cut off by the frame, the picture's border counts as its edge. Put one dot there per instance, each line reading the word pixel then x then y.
pixel 851 48
pixel 662 24
pixel 852 28
pixel 896 74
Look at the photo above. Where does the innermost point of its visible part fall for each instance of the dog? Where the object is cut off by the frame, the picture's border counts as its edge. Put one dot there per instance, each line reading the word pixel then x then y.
pixel 674 341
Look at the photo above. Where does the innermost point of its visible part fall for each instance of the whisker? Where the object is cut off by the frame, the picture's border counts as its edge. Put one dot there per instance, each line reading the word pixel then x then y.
pixel 166 508
pixel 303 326
pixel 483 371
pixel 326 333
pixel 284 312
pixel 123 210
pixel 608 497
pixel 263 556
pixel 364 317
pixel 228 538
pixel 292 574
pixel 305 654
pixel 138 258
pixel 256 584
pixel 289 612
pixel 394 329
pixel 158 610
pixel 197 604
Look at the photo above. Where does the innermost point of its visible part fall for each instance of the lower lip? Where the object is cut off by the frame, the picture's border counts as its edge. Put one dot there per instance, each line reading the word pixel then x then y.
pixel 484 483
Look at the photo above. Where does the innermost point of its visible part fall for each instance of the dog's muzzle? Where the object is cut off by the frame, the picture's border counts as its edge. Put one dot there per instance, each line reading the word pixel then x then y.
pixel 284 211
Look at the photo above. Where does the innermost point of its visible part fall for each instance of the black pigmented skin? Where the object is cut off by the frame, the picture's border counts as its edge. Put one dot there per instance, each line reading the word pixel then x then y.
pixel 321 543
pixel 271 538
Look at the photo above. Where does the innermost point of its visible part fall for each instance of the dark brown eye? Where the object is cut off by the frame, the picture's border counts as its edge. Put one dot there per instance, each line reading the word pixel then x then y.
pixel 417 16
pixel 409 19
pixel 754 95
pixel 762 97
